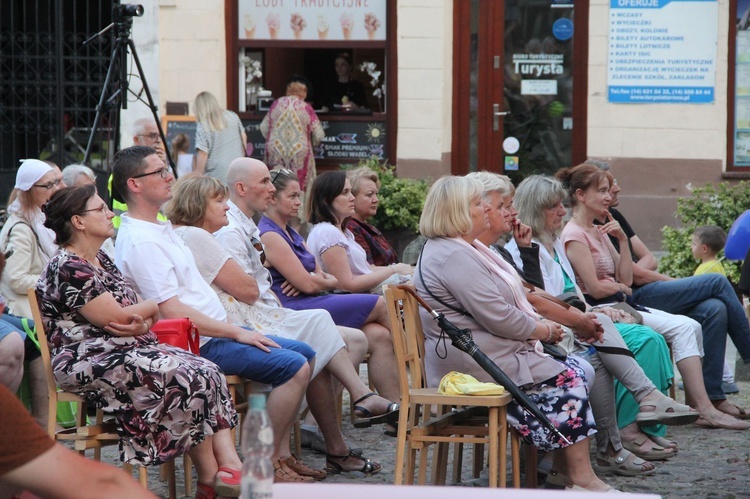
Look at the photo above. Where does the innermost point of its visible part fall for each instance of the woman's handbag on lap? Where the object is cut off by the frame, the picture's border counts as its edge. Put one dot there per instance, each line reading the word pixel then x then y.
pixel 180 333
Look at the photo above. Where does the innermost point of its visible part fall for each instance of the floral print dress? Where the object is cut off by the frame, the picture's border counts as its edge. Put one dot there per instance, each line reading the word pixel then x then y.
pixel 165 399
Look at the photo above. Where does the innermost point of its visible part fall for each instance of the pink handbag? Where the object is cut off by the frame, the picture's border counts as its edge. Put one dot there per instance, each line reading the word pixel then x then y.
pixel 181 333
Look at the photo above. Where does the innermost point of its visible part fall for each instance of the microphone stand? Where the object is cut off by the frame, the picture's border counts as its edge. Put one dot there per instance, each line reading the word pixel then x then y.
pixel 462 339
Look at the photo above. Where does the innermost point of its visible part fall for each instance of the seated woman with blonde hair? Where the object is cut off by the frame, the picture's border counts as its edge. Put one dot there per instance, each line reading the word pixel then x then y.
pixel 478 290
pixel 198 209
pixel 365 187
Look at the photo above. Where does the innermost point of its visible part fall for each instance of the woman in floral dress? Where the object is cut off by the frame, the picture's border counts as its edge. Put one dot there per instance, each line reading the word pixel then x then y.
pixel 166 401
pixel 292 129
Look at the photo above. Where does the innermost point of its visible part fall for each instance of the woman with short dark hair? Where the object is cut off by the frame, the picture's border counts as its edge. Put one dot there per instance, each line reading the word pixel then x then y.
pixel 330 206
pixel 166 401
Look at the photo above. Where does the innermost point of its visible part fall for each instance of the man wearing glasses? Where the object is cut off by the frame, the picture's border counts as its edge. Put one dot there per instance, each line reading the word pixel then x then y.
pixel 146 133
pixel 155 260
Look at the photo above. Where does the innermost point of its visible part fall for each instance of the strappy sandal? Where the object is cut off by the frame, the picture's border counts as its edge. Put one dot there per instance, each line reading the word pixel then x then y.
pixel 741 413
pixel 368 468
pixel 228 486
pixel 205 492
pixel 664 442
pixel 389 416
pixel 626 464
pixel 657 452
pixel 304 470
pixel 666 411
pixel 283 474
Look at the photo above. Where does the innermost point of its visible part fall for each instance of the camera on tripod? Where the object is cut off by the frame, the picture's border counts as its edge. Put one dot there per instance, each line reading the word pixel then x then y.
pixel 121 11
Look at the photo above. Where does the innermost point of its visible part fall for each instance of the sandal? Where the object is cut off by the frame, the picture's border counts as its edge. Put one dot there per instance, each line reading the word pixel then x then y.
pixel 666 411
pixel 556 480
pixel 284 474
pixel 624 464
pixel 227 486
pixel 733 425
pixel 390 415
pixel 664 442
pixel 368 468
pixel 657 452
pixel 304 470
pixel 205 492
pixel 739 414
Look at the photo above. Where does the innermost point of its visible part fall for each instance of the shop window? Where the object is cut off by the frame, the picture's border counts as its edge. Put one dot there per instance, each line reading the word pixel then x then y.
pixel 270 41
pixel 738 110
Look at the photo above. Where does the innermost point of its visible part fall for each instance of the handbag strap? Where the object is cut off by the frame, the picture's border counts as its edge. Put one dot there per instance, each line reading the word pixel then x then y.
pixel 421 278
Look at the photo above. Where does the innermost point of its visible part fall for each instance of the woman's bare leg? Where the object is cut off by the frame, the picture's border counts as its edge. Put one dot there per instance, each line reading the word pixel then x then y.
pixel 575 462
pixel 695 393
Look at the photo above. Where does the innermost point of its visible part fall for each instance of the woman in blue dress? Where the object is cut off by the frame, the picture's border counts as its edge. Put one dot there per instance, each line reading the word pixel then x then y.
pixel 300 284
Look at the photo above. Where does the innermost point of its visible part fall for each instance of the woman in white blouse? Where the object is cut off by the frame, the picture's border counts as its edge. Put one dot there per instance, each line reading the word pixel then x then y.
pixel 330 205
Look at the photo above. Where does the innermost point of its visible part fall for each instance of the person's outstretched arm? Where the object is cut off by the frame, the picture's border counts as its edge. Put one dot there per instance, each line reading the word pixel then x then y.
pixel 60 473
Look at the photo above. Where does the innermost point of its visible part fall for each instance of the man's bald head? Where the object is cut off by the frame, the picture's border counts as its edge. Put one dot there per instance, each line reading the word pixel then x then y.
pixel 250 186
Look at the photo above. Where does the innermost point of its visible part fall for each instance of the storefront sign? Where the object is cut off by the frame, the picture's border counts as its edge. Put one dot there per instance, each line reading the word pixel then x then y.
pixel 662 51
pixel 345 141
pixel 312 19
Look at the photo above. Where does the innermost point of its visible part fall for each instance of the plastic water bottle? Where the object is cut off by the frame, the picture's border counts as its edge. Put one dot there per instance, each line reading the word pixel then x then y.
pixel 587 354
pixel 257 447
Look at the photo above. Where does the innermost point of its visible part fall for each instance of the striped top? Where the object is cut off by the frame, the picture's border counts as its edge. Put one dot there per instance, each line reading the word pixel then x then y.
pixel 222 147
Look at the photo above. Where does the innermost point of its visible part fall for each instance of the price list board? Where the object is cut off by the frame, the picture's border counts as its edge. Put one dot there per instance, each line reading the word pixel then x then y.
pixel 662 51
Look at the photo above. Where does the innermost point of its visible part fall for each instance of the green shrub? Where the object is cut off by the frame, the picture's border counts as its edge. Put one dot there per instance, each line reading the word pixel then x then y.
pixel 401 199
pixel 710 205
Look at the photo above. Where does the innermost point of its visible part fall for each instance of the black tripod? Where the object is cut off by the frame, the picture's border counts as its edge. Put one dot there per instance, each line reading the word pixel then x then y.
pixel 122 24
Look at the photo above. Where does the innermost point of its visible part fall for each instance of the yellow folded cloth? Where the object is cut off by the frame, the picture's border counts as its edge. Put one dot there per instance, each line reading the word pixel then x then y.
pixel 456 383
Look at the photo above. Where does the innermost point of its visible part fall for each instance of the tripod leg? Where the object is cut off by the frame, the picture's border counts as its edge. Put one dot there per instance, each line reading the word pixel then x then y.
pixel 152 106
pixel 116 58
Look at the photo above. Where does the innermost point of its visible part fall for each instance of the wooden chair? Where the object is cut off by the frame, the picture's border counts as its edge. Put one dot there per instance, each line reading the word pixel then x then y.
pixel 89 436
pixel 480 420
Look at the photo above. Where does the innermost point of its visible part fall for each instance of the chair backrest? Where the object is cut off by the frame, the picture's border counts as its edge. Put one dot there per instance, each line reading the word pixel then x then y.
pixel 46 358
pixel 408 337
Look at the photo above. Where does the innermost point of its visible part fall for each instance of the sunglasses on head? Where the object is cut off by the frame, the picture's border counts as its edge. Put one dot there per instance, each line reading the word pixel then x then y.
pixel 281 171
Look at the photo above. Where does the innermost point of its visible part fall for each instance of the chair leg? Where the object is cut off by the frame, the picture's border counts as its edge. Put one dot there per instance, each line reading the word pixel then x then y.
pixel 440 463
pixel 531 467
pixel 187 466
pixel 458 458
pixel 143 476
pixel 478 460
pixel 168 469
pixel 493 450
pixel 297 435
pixel 502 434
pixel 515 457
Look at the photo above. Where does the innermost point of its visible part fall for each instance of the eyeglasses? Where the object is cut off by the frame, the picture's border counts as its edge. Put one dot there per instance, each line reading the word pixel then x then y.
pixel 153 137
pixel 49 185
pixel 163 173
pixel 259 248
pixel 102 209
pixel 281 171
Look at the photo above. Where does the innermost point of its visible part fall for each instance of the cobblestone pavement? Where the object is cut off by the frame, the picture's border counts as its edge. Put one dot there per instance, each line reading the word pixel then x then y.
pixel 710 463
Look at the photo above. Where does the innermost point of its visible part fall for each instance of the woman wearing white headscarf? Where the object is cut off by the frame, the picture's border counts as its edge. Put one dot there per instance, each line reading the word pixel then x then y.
pixel 25 234
pixel 32 245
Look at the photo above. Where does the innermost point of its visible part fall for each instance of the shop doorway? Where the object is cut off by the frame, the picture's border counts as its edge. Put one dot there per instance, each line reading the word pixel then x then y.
pixel 519 86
